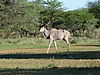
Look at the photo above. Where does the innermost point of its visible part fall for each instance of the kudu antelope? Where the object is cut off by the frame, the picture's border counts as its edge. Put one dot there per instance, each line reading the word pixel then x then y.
pixel 55 34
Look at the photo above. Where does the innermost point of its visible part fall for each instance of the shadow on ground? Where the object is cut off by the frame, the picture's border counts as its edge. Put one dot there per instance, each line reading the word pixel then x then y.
pixel 98 45
pixel 52 71
pixel 63 55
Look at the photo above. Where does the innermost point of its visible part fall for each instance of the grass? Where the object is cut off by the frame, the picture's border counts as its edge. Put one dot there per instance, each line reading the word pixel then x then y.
pixel 29 43
pixel 49 66
pixel 47 63
pixel 22 43
pixel 86 41
pixel 28 56
pixel 36 58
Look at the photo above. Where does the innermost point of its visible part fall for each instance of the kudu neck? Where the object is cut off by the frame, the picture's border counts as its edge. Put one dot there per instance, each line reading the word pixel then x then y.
pixel 46 32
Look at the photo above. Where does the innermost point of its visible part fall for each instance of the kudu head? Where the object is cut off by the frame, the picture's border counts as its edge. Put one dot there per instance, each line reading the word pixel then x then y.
pixel 42 28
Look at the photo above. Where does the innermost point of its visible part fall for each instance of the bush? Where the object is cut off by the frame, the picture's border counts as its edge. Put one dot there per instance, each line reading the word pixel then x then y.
pixel 97 34
pixel 73 41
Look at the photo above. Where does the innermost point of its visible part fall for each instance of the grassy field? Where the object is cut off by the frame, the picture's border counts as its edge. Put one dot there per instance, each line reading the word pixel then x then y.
pixel 28 43
pixel 27 56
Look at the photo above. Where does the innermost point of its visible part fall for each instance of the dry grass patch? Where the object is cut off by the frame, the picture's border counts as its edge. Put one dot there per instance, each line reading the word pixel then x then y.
pixel 48 63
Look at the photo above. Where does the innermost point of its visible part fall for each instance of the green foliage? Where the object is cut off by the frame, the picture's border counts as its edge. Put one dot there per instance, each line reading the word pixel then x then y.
pixel 21 14
pixel 73 41
pixel 94 7
pixel 24 18
pixel 51 65
pixel 52 8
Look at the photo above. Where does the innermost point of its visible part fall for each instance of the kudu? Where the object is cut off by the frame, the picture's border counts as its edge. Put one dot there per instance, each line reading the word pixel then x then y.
pixel 55 34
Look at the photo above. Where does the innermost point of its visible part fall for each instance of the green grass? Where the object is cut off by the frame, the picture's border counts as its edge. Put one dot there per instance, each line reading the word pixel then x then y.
pixel 22 43
pixel 29 43
pixel 86 41
pixel 30 56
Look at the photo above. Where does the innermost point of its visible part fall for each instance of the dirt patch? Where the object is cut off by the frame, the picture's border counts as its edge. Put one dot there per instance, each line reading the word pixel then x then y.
pixel 40 50
pixel 14 51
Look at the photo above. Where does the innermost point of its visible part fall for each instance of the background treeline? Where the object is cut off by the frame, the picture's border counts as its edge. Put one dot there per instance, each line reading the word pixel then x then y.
pixel 21 18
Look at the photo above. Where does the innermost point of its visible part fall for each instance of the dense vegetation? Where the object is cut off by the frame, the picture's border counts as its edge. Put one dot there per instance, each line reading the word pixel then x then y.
pixel 21 18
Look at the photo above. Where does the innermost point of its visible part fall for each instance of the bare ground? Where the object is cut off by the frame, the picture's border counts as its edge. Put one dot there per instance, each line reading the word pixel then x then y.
pixel 37 49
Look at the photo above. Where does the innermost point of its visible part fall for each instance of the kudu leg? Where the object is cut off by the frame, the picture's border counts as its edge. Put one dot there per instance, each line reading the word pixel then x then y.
pixel 49 46
pixel 67 41
pixel 68 44
pixel 55 45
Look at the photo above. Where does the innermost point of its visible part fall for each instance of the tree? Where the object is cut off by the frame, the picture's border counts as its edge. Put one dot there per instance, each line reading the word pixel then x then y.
pixel 78 20
pixel 22 17
pixel 94 7
pixel 51 10
pixel 19 14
